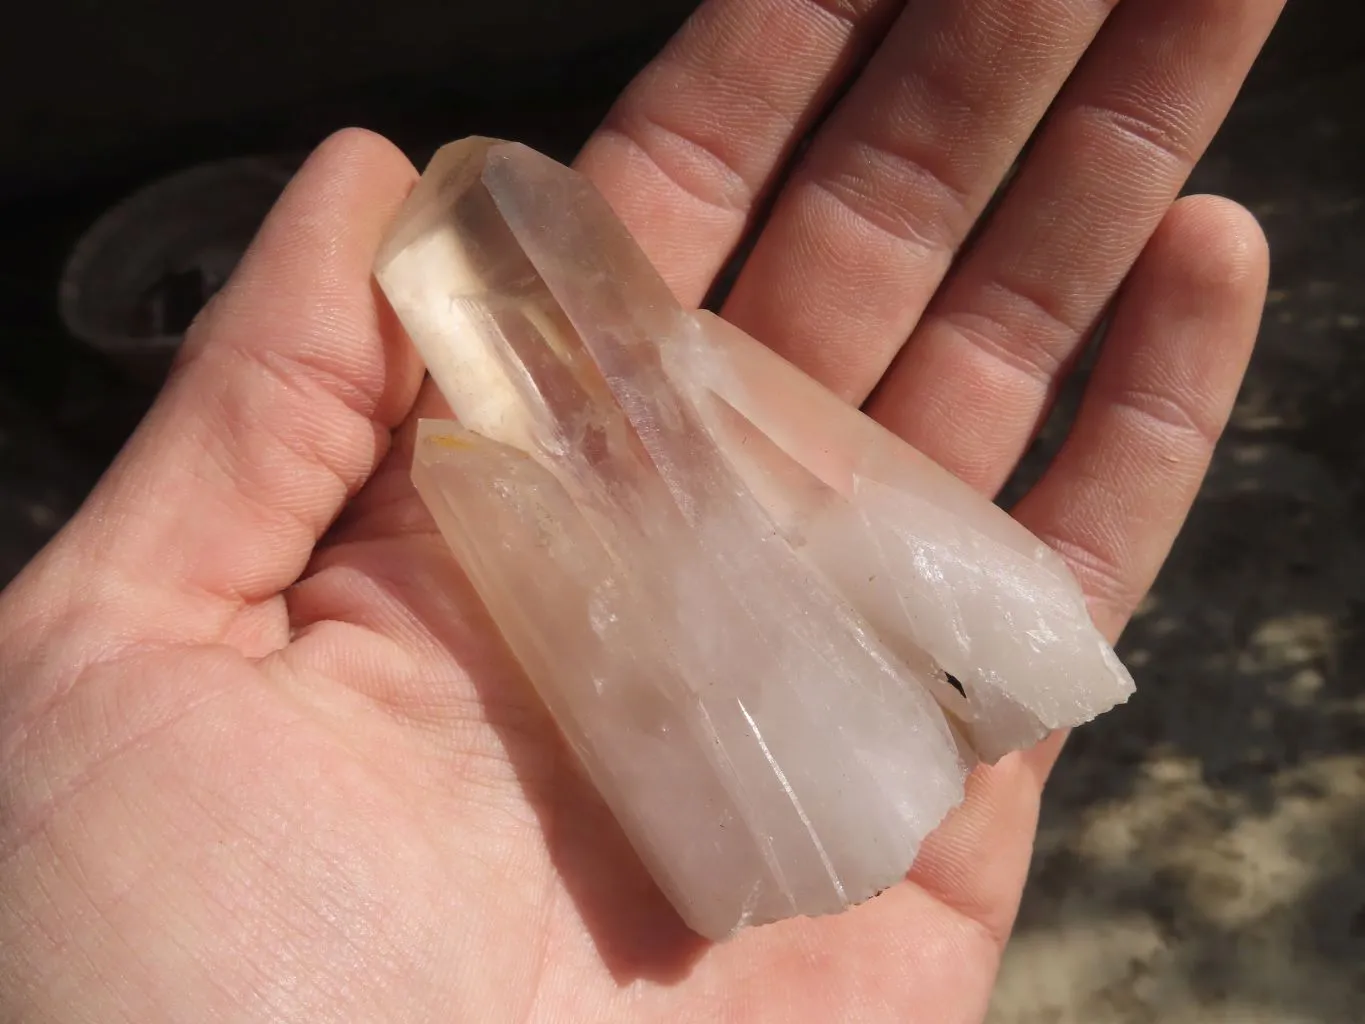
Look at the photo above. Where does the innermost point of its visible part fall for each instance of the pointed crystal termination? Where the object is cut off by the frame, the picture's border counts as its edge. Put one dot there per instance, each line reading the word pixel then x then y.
pixel 740 598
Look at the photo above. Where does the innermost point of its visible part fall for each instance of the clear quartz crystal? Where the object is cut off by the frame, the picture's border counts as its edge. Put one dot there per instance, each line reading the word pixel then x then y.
pixel 740 598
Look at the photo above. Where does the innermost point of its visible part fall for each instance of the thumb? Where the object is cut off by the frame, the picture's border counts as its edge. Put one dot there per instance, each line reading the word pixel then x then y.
pixel 277 412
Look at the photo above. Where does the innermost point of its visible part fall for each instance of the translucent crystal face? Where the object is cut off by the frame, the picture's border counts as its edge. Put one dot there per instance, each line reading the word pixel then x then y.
pixel 740 598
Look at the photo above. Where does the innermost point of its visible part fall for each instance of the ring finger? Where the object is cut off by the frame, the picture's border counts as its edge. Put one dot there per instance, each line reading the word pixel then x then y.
pixel 978 375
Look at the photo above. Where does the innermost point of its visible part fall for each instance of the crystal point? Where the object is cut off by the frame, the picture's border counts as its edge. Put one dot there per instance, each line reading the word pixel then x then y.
pixel 740 598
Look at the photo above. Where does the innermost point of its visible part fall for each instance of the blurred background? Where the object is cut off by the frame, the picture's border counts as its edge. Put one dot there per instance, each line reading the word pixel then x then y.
pixel 1202 852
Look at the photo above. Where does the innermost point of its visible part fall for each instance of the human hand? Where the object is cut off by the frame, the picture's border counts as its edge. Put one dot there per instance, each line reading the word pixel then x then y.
pixel 261 762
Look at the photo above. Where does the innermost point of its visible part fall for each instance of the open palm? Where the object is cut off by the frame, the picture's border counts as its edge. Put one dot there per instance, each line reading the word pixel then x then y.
pixel 262 755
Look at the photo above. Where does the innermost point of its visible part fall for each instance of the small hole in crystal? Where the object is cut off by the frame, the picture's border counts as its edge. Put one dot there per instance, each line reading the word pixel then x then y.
pixel 952 679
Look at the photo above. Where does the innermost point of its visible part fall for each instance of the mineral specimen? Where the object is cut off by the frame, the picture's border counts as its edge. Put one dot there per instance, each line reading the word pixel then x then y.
pixel 744 602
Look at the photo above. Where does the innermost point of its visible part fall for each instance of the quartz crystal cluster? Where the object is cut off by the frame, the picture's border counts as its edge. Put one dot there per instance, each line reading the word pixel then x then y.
pixel 776 636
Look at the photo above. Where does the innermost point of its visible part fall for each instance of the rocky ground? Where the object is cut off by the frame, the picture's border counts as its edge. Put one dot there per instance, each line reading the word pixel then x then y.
pixel 1200 851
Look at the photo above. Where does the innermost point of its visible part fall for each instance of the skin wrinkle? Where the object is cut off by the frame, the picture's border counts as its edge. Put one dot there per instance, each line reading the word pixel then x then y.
pixel 309 858
pixel 1104 583
pixel 723 188
pixel 63 956
pixel 1168 417
pixel 445 712
pixel 1168 143
pixel 63 791
pixel 931 239
pixel 276 992
pixel 1033 326
pixel 851 15
pixel 82 659
pixel 342 456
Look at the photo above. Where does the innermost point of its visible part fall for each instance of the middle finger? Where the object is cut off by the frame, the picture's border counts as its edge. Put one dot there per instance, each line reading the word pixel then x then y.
pixel 869 223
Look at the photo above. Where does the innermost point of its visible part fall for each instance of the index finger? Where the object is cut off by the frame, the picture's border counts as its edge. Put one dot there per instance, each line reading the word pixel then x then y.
pixel 694 143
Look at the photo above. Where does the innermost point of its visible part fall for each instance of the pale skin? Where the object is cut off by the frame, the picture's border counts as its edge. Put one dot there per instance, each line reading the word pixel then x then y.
pixel 261 756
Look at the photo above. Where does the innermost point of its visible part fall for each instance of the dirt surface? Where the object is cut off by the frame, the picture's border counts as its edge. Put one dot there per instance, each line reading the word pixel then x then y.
pixel 1202 851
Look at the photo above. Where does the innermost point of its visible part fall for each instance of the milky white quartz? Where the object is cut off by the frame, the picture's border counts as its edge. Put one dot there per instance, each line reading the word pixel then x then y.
pixel 740 598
